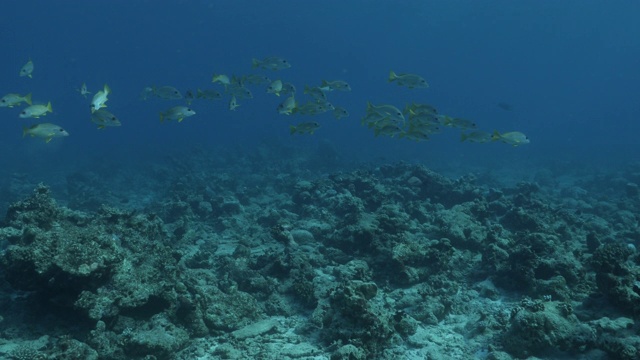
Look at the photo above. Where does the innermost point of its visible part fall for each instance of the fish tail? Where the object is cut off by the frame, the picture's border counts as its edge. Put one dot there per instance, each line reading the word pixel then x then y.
pixel 463 137
pixel 25 130
pixel 199 93
pixel 255 63
pixel 392 76
pixel 107 89
pixel 292 129
pixel 161 117
pixel 27 98
pixel 495 136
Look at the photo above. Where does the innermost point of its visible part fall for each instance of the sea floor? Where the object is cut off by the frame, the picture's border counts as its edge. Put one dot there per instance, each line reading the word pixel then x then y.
pixel 241 257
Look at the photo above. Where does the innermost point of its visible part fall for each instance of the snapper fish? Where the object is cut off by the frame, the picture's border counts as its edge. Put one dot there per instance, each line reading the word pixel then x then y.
pixel 287 106
pixel 45 131
pixel 315 92
pixel 208 94
pixel 338 85
pixel 146 93
pixel 221 78
pixel 304 128
pixel 100 98
pixel 11 100
pixel 177 113
pixel 35 111
pixel 514 138
pixel 254 79
pixel 104 118
pixel 476 136
pixel 288 89
pixel 167 92
pixel 412 81
pixel 83 90
pixel 27 69
pixel 271 63
pixel 458 123
pixel 233 104
pixel 339 112
pixel 275 87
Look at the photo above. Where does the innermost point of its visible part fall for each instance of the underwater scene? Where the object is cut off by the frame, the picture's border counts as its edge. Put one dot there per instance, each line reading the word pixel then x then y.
pixel 336 179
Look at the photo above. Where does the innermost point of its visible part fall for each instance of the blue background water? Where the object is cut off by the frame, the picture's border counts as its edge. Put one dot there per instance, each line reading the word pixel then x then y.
pixel 568 68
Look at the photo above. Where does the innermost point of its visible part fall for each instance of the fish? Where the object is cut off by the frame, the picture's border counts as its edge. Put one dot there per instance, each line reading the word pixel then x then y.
pixel 338 85
pixel 46 131
pixel 11 100
pixel 412 81
pixel 315 92
pixel 476 136
pixel 414 134
pixel 167 92
pixel 459 123
pixel 327 106
pixel 104 118
pixel 27 69
pixel 275 87
pixel 288 89
pixel 35 111
pixel 505 106
pixel 287 106
pixel 239 91
pixel 254 79
pixel 385 109
pixel 188 97
pixel 221 78
pixel 391 130
pixel 310 108
pixel 100 98
pixel 304 128
pixel 514 138
pixel 177 113
pixel 339 112
pixel 83 90
pixel 146 93
pixel 208 94
pixel 416 109
pixel 271 63
pixel 233 104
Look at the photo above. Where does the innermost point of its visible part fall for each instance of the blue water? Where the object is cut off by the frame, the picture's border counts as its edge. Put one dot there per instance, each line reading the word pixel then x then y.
pixel 569 69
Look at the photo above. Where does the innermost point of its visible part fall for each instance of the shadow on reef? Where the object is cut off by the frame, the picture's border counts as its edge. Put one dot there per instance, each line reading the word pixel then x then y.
pixel 372 263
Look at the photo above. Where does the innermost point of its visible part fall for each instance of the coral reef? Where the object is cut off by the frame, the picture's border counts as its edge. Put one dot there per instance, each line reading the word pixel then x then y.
pixel 387 262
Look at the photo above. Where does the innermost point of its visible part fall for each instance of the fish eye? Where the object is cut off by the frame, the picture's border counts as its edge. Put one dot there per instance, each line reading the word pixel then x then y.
pixel 61 130
pixel 23 113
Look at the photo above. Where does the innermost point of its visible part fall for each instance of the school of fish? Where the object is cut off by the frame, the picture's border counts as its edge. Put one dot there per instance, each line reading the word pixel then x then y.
pixel 415 121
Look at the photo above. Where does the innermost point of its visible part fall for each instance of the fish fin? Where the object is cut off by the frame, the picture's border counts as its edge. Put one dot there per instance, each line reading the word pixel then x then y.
pixel 292 129
pixel 49 109
pixel 392 76
pixel 463 137
pixel 161 117
pixel 27 98
pixel 48 139
pixel 255 63
pixel 107 89
pixel 180 119
pixel 24 131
